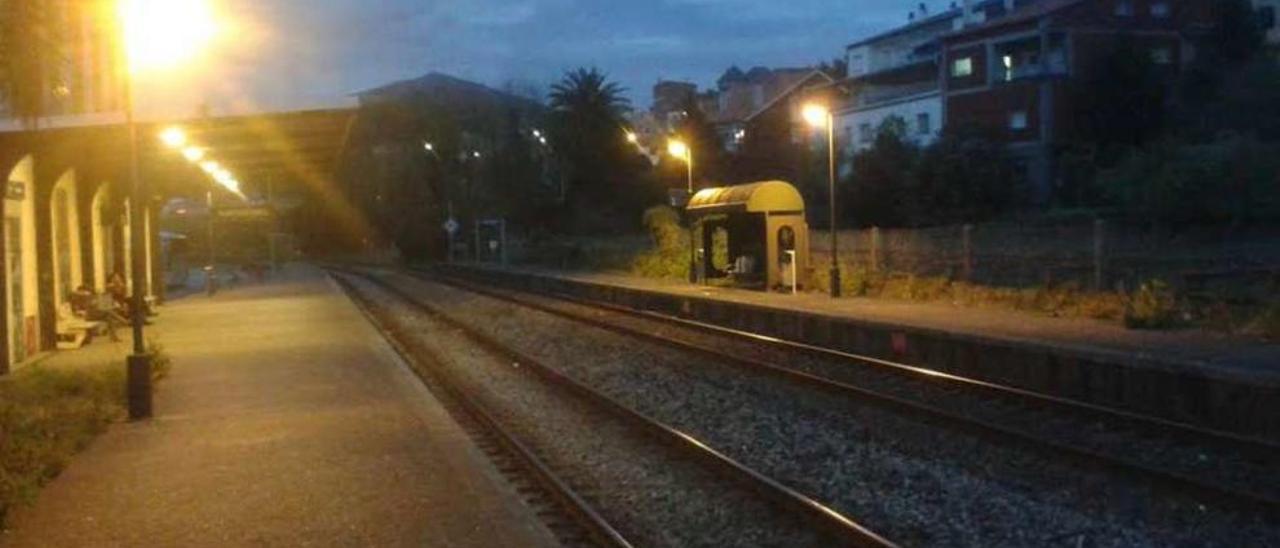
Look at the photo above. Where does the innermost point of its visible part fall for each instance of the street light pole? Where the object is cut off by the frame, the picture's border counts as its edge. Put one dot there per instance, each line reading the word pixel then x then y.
pixel 138 381
pixel 831 179
pixel 693 253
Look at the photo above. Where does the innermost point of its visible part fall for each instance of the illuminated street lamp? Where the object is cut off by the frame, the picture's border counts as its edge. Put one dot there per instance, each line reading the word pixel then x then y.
pixel 173 137
pixel 157 34
pixel 819 117
pixel 193 154
pixel 684 152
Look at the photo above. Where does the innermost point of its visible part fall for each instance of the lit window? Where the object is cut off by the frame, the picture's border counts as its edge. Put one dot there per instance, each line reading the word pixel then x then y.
pixel 1018 120
pixel 1162 56
pixel 962 67
pixel 1124 8
pixel 924 126
pixel 1160 10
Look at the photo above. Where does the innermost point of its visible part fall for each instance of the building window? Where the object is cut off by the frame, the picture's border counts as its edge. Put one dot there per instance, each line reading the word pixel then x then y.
pixel 1267 17
pixel 962 67
pixel 923 124
pixel 1018 120
pixel 1160 10
pixel 864 133
pixel 1162 56
pixel 1124 8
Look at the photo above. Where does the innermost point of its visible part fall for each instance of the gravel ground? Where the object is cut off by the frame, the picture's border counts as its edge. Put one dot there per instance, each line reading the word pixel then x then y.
pixel 1242 468
pixel 914 483
pixel 652 493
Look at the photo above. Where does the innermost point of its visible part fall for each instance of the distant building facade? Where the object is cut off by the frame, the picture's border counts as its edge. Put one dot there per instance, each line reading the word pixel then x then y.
pixel 1014 76
pixel 741 98
pixel 895 74
pixel 85 77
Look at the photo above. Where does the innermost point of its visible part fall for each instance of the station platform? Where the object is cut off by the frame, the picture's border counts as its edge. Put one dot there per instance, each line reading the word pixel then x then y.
pixel 1189 375
pixel 286 420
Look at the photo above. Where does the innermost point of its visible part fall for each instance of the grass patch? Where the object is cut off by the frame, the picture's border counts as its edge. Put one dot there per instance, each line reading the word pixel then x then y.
pixel 1066 300
pixel 47 415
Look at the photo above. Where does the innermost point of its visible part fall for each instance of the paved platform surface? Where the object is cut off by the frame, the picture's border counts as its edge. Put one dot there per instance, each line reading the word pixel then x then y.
pixel 1217 354
pixel 286 421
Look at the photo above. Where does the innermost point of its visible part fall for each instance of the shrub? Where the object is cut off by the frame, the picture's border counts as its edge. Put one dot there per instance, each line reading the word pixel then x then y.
pixel 669 257
pixel 46 416
pixel 1152 306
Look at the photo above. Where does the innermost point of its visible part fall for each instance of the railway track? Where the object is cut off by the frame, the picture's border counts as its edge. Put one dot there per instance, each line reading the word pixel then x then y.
pixel 832 525
pixel 1218 468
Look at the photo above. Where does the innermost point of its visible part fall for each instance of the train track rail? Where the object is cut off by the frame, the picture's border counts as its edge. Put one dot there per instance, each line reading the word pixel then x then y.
pixel 1215 467
pixel 566 513
pixel 840 528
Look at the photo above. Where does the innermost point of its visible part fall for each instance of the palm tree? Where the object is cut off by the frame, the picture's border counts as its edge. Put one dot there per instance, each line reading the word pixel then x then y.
pixel 586 93
pixel 30 50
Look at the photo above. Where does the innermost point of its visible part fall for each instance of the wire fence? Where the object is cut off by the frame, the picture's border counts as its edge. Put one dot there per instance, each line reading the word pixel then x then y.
pixel 1096 254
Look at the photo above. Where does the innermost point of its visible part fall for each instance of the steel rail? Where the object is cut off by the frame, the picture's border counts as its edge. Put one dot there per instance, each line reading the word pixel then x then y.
pixel 846 529
pixel 1233 496
pixel 596 525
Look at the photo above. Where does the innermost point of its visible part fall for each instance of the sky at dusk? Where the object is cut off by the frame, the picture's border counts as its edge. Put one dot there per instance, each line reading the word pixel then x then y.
pixel 291 54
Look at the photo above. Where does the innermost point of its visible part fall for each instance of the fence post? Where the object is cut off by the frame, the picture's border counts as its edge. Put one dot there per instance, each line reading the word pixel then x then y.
pixel 875 249
pixel 1099 253
pixel 966 268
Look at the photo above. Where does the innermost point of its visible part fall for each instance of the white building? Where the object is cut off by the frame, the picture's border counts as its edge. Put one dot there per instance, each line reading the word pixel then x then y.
pixel 895 74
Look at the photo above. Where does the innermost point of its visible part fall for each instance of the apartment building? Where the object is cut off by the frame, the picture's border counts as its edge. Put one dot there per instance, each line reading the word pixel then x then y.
pixel 1012 76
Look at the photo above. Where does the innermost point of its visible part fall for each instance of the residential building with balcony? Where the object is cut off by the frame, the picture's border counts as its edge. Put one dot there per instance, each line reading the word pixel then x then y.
pixel 1017 77
pixel 742 98
pixel 895 74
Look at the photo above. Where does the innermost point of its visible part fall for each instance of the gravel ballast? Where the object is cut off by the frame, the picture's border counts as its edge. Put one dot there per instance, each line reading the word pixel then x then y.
pixel 655 495
pixel 915 483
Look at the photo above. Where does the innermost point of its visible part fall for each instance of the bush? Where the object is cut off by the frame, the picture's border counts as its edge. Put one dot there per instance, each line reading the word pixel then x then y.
pixel 669 257
pixel 46 416
pixel 1232 180
pixel 1152 306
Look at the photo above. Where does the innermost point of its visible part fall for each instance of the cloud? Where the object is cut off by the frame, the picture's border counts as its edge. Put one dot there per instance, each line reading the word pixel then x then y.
pixel 306 49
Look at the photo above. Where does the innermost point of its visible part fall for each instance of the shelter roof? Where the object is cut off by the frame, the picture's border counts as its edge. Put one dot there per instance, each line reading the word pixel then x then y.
pixel 761 197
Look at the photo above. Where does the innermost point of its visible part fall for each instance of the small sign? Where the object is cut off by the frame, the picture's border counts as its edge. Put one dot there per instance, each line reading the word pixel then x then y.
pixel 15 190
pixel 678 197
pixel 451 226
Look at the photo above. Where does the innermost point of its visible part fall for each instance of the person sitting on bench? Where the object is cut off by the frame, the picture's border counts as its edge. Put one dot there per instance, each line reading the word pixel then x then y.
pixel 86 304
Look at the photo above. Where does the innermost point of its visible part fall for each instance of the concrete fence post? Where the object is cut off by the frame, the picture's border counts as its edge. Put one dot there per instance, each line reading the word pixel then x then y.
pixel 875 249
pixel 1099 254
pixel 966 266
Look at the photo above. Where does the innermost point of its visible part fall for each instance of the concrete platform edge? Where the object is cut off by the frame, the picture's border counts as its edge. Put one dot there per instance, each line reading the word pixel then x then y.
pixel 1170 389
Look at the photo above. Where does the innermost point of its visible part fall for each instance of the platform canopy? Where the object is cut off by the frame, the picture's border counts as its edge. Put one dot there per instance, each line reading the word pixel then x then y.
pixel 282 146
pixel 762 197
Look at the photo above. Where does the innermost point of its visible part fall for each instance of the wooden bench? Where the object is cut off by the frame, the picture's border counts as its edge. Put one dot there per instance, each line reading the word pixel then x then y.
pixel 73 331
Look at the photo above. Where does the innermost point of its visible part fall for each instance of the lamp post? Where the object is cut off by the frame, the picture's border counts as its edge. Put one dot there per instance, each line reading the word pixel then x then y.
pixel 683 151
pixel 819 116
pixel 155 34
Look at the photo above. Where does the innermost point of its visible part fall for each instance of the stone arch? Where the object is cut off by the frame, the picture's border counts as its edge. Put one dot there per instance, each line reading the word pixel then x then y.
pixel 103 217
pixel 22 292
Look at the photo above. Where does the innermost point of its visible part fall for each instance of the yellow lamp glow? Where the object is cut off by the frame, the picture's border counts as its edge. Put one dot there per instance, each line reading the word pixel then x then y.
pixel 161 34
pixel 678 149
pixel 632 137
pixel 193 154
pixel 173 137
pixel 816 115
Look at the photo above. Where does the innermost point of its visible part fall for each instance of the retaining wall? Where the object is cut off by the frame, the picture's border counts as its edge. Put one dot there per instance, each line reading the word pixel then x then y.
pixel 1175 391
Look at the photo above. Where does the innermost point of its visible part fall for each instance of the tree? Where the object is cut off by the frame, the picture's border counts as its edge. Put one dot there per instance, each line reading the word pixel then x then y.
pixel 1123 101
pixel 881 177
pixel 604 188
pixel 30 48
